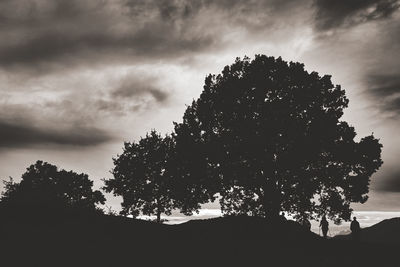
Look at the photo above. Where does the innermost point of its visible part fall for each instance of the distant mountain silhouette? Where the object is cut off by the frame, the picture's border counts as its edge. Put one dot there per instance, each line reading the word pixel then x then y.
pixel 101 240
pixel 384 232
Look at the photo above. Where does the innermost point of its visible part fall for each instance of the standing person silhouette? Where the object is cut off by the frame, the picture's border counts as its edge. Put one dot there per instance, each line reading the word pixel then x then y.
pixel 355 229
pixel 324 225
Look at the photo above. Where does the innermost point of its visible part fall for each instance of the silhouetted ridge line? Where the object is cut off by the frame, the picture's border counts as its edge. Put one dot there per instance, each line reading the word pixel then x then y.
pixel 235 241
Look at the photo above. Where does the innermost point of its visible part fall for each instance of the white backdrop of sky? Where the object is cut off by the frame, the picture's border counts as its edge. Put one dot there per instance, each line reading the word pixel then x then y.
pixel 80 77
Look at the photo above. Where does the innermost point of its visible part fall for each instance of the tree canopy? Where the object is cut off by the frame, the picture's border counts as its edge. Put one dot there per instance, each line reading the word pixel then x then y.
pixel 46 190
pixel 141 177
pixel 268 136
pixel 193 175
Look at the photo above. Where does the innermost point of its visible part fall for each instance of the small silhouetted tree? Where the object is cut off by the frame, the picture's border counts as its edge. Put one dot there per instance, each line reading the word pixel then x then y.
pixel 46 190
pixel 270 136
pixel 141 178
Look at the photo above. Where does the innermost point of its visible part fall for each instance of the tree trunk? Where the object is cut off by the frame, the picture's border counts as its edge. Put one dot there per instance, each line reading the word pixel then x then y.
pixel 275 206
pixel 158 216
pixel 158 211
pixel 271 201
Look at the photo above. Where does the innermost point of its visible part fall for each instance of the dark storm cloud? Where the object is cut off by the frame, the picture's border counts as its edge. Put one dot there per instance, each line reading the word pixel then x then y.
pixel 134 86
pixel 132 91
pixel 386 89
pixel 22 134
pixel 385 84
pixel 83 31
pixel 343 13
pixel 109 106
pixel 49 47
pixel 390 180
pixel 392 184
pixel 88 31
pixel 136 91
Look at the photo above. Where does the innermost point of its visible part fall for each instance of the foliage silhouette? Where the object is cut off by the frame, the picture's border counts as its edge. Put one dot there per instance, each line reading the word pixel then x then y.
pixel 267 135
pixel 141 177
pixel 47 191
pixel 194 183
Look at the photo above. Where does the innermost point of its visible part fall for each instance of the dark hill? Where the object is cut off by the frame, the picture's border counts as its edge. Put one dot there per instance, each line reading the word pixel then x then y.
pixel 385 232
pixel 244 228
pixel 229 241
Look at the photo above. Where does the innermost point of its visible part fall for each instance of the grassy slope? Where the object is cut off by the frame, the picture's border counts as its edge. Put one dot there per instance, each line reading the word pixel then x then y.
pixel 235 241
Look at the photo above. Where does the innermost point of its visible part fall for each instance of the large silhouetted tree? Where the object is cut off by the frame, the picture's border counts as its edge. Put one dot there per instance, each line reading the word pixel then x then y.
pixel 269 135
pixel 46 190
pixel 141 177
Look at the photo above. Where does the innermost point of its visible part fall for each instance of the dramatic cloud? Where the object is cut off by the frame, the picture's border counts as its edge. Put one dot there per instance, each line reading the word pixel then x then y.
pixel 133 87
pixel 14 135
pixel 343 13
pixel 84 32
pixel 381 66
pixel 132 93
pixel 386 87
pixel 390 183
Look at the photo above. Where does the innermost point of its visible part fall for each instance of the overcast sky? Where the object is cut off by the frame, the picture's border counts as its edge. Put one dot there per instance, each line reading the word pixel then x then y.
pixel 79 77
